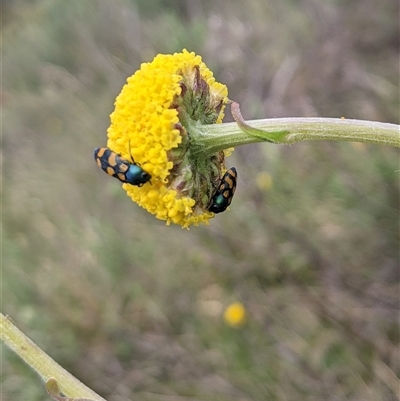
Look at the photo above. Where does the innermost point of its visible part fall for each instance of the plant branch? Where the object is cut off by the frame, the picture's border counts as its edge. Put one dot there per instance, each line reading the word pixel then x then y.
pixel 45 366
pixel 287 131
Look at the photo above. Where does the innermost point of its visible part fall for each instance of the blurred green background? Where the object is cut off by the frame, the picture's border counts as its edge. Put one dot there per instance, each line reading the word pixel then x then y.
pixel 310 245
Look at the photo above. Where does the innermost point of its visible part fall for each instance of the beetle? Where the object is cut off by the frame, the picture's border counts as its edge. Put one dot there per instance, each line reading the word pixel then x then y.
pixel 222 197
pixel 126 171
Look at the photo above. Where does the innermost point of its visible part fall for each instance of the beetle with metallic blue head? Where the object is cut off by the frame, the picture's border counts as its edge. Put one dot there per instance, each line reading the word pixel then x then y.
pixel 126 171
pixel 223 195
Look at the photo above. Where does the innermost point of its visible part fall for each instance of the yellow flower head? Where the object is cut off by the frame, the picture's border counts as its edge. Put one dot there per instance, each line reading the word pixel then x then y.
pixel 235 315
pixel 153 124
pixel 264 181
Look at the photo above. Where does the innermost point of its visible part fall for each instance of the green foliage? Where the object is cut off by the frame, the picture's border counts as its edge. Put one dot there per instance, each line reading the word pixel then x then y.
pixel 133 308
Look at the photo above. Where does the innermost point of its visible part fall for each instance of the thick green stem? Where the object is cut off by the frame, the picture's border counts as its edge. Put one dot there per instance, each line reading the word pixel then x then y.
pixel 287 131
pixel 45 366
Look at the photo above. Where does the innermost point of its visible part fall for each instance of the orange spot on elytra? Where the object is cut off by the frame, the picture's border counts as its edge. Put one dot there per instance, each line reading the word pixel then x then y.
pixel 111 160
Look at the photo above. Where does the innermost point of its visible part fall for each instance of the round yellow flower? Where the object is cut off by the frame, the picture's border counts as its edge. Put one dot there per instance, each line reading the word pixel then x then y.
pixel 264 180
pixel 152 125
pixel 235 314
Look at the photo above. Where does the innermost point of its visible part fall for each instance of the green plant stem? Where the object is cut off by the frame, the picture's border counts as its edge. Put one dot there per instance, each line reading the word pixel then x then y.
pixel 287 131
pixel 45 366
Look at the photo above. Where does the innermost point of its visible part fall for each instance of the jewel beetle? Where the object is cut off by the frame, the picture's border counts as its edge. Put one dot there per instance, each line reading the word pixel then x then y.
pixel 126 171
pixel 224 193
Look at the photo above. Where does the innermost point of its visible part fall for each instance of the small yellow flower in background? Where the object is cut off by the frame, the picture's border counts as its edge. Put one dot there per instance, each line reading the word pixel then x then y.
pixel 235 315
pixel 154 123
pixel 264 181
